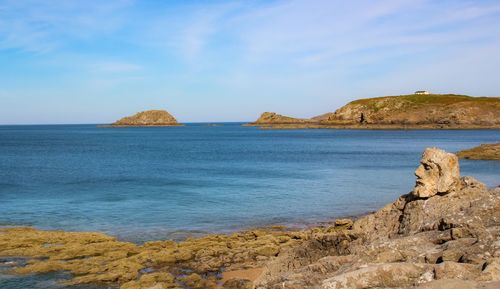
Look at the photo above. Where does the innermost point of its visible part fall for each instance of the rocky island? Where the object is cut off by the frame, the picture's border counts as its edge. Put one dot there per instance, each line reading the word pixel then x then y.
pixel 482 152
pixel 147 118
pixel 272 119
pixel 415 111
pixel 445 233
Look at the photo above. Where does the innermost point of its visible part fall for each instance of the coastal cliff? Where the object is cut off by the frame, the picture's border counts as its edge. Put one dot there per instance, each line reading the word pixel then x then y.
pixel 445 233
pixel 433 111
pixel 148 118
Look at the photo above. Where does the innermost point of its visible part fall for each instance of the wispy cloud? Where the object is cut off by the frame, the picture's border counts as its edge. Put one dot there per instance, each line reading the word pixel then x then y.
pixel 44 25
pixel 313 54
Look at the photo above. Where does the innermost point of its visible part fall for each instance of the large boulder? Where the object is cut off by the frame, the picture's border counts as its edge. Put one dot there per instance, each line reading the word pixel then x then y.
pixel 438 173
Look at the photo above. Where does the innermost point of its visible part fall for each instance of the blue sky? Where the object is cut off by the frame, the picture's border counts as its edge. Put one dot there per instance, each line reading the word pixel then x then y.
pixel 95 61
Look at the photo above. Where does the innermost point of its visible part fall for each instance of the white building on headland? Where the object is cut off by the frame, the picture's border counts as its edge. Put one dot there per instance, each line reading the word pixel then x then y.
pixel 422 92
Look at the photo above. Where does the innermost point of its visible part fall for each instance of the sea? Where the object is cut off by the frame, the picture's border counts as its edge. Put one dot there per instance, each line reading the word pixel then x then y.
pixel 151 183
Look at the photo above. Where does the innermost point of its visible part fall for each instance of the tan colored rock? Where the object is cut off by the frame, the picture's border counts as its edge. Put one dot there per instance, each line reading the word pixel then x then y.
pixel 453 270
pixel 449 284
pixel 438 173
pixel 238 284
pixel 344 223
pixel 492 270
pixel 390 275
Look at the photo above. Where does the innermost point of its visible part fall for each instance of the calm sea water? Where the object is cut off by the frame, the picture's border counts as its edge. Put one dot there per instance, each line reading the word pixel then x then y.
pixel 157 183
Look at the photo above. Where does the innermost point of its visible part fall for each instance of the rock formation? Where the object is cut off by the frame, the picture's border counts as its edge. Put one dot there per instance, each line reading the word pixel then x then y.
pixel 438 173
pixel 449 240
pixel 443 234
pixel 148 118
pixel 482 152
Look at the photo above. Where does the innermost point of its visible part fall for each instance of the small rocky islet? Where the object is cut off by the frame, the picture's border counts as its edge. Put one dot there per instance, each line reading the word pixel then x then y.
pixel 414 111
pixel 147 118
pixel 445 233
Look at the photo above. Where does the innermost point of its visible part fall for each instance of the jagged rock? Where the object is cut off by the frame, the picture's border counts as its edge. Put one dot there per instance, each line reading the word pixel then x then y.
pixel 449 284
pixel 452 233
pixel 492 270
pixel 238 284
pixel 344 223
pixel 390 275
pixel 453 270
pixel 438 173
pixel 148 118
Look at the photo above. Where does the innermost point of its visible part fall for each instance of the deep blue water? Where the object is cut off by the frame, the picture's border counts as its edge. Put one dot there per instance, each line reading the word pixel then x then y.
pixel 157 183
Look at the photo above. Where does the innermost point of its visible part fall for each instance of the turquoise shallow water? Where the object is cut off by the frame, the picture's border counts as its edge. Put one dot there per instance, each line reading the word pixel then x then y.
pixel 157 183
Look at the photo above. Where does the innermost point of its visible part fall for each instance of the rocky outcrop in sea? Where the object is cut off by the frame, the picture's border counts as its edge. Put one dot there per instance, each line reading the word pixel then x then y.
pixel 148 118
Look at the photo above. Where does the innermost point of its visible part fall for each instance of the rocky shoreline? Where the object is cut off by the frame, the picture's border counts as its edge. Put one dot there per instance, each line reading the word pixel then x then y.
pixel 443 234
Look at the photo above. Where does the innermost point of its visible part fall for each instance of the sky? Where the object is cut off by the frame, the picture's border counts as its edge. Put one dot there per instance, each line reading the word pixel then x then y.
pixel 92 61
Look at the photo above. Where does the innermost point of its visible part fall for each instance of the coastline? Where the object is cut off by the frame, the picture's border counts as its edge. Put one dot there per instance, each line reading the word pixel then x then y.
pixel 443 230
pixel 370 127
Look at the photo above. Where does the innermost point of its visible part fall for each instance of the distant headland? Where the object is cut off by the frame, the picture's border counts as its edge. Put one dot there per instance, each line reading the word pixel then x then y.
pixel 147 118
pixel 421 110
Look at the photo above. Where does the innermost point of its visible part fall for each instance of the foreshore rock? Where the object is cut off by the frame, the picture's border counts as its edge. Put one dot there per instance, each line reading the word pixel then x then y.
pixel 482 152
pixel 449 235
pixel 443 234
pixel 148 118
